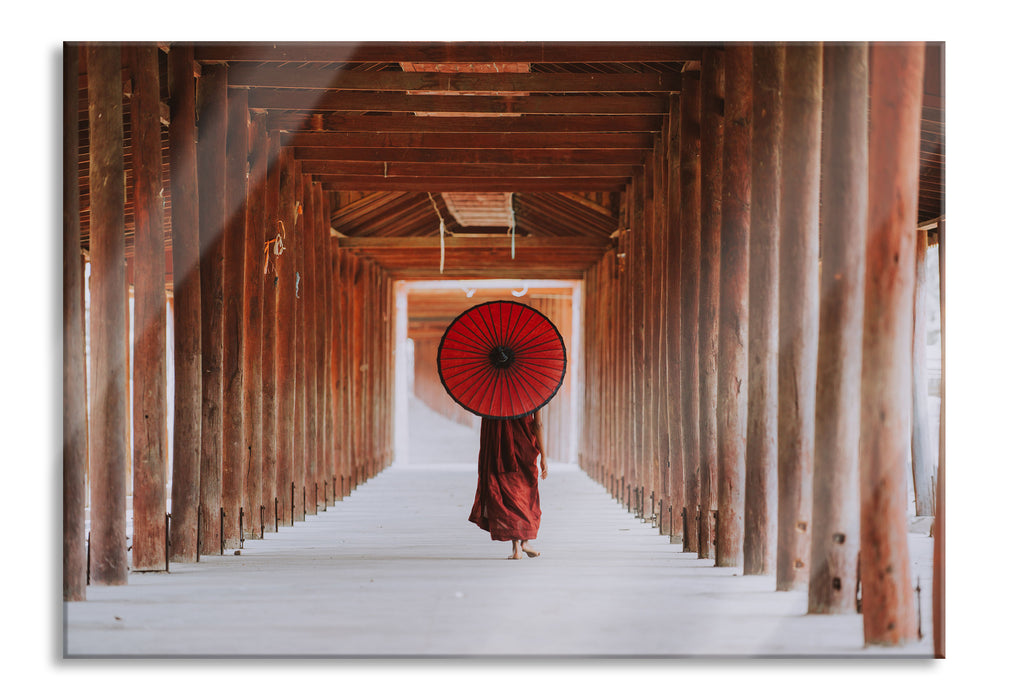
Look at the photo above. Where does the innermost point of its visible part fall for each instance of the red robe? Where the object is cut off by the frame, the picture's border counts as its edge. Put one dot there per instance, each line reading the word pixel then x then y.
pixel 507 502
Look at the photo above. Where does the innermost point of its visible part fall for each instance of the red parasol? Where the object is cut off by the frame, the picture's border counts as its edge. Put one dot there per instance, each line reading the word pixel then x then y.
pixel 501 359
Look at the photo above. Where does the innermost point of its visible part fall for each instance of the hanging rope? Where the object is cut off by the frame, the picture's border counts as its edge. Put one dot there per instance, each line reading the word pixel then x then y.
pixel 441 233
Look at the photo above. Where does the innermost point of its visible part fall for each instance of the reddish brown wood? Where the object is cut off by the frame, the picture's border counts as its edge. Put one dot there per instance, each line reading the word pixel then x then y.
pixel 211 106
pixel 298 308
pixel 712 97
pixel 285 319
pixel 505 139
pixel 75 418
pixel 407 161
pixel 671 337
pixel 235 450
pixel 690 242
pixel 733 304
pixel 252 312
pixel 523 124
pixel 834 541
pixel 150 403
pixel 328 328
pixel 267 267
pixel 798 318
pixel 310 286
pixel 760 517
pixel 188 367
pixel 896 73
pixel 109 412
pixel 921 441
pixel 939 529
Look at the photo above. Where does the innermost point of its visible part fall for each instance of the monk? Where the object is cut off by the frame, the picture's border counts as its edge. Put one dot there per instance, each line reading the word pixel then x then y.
pixel 507 503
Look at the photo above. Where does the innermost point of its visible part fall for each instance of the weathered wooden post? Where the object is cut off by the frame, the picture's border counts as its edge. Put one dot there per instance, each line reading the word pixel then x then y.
pixel 733 304
pixel 285 320
pixel 188 369
pixel 896 85
pixel 267 266
pixel 921 440
pixel 109 412
pixel 252 313
pixel 150 403
pixel 939 530
pixel 310 295
pixel 211 101
pixel 234 446
pixel 75 400
pixel 760 531
pixel 799 311
pixel 690 241
pixel 712 99
pixel 325 471
pixel 298 308
pixel 834 534
pixel 673 281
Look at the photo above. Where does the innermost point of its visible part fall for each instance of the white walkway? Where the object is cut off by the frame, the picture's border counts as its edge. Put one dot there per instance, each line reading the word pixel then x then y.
pixel 396 570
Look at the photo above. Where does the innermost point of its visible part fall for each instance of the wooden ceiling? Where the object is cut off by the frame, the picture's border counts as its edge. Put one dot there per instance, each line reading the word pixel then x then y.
pixel 409 136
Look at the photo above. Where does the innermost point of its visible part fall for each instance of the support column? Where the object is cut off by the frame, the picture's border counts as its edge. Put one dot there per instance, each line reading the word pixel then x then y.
pixel 921 440
pixel 285 320
pixel 322 343
pixel 733 305
pixel 298 308
pixel 109 410
pixel 211 100
pixel 690 241
pixel 896 84
pixel 234 451
pixel 75 400
pixel 310 296
pixel 939 530
pixel 712 94
pixel 674 396
pixel 799 311
pixel 760 532
pixel 268 266
pixel 252 312
pixel 150 403
pixel 834 536
pixel 188 368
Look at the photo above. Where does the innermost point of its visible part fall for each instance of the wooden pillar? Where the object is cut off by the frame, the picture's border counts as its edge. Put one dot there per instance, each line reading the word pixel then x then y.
pixel 75 408
pixel 733 304
pixel 834 535
pixel 673 331
pixel 921 440
pixel 322 344
pixel 285 320
pixel 310 283
pixel 234 450
pixel 690 242
pixel 939 529
pixel 298 308
pixel 109 410
pixel 267 266
pixel 211 100
pixel 252 312
pixel 712 136
pixel 799 311
pixel 188 367
pixel 150 403
pixel 896 84
pixel 760 518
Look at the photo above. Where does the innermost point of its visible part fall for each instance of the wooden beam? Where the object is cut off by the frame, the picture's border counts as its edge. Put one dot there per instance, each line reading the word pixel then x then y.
pixel 484 242
pixel 733 304
pixel 319 101
pixel 760 519
pixel 502 139
pixel 507 156
pixel 75 399
pixel 464 184
pixel 186 305
pixel 150 392
pixel 519 124
pixel 109 412
pixel 896 73
pixel 465 170
pixel 211 158
pixel 712 127
pixel 450 52
pixel 314 78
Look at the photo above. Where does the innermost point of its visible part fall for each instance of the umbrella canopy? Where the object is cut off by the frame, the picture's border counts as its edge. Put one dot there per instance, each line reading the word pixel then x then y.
pixel 501 359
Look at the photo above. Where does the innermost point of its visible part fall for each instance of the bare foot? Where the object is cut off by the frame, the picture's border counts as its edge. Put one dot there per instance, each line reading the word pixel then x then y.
pixel 531 552
pixel 516 555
